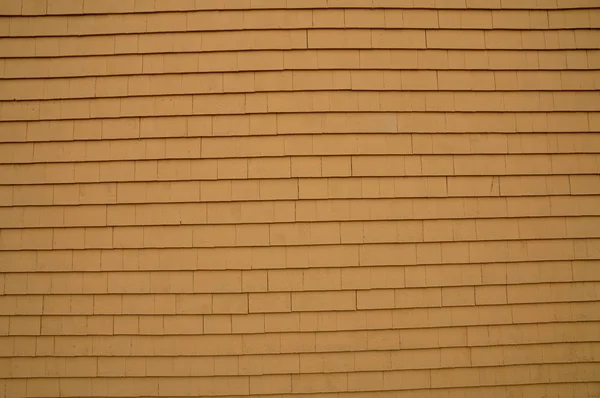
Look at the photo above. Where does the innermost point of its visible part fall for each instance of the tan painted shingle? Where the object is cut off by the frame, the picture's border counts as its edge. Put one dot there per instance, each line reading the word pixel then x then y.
pixel 358 198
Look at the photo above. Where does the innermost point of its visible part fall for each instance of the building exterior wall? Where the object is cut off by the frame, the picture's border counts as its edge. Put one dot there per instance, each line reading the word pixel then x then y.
pixel 301 198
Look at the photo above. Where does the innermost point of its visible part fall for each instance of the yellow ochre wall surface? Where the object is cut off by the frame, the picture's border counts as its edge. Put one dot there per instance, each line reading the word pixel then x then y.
pixel 301 198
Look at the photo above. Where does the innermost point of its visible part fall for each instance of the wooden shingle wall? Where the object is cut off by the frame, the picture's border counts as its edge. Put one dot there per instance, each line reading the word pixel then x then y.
pixel 301 198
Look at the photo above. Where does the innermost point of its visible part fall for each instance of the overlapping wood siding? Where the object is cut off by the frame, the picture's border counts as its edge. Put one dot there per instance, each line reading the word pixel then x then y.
pixel 301 198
